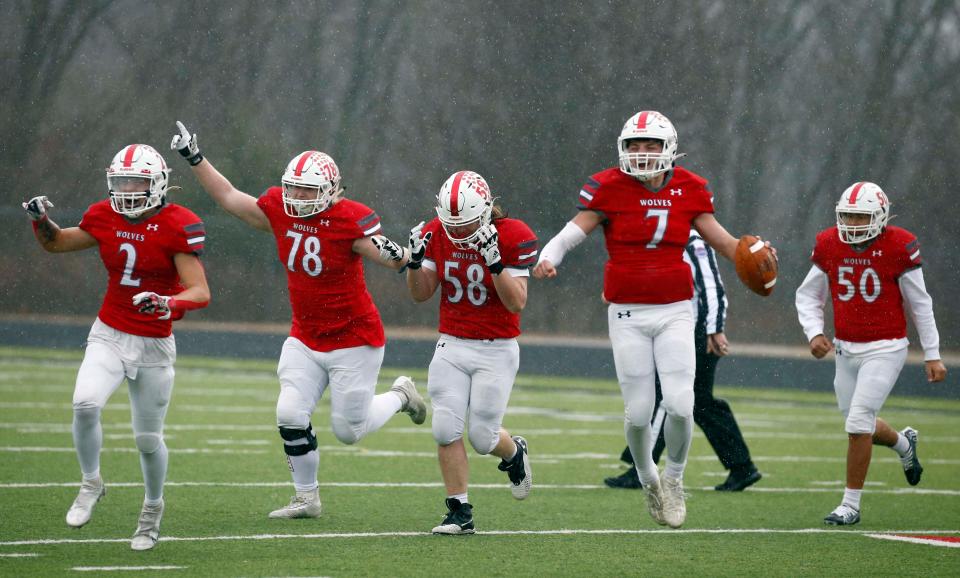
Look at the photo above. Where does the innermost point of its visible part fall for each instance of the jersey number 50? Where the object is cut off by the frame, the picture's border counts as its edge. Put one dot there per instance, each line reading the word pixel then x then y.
pixel 868 280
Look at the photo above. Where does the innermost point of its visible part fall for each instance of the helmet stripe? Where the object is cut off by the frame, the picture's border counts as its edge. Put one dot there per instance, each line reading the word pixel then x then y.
pixel 642 120
pixel 856 191
pixel 455 195
pixel 303 161
pixel 128 157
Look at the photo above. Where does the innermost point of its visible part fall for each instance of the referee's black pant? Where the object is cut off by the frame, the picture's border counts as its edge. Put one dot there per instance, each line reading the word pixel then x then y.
pixel 711 414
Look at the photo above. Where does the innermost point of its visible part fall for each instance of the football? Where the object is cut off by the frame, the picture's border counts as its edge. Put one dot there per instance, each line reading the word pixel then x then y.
pixel 756 265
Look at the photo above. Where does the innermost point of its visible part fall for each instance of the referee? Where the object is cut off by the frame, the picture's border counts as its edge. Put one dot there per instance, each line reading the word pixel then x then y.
pixel 712 415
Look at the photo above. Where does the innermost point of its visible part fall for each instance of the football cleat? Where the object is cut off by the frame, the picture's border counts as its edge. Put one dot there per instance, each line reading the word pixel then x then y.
pixel 413 403
pixel 739 480
pixel 458 521
pixel 148 527
pixel 518 470
pixel 911 463
pixel 303 505
pixel 674 505
pixel 82 509
pixel 844 515
pixel 628 480
pixel 653 495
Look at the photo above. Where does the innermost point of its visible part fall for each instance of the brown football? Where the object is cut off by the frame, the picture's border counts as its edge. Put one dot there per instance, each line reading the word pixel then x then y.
pixel 756 265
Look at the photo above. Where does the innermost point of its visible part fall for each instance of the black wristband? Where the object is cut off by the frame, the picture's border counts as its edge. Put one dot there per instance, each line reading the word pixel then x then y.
pixel 411 265
pixel 496 268
pixel 195 159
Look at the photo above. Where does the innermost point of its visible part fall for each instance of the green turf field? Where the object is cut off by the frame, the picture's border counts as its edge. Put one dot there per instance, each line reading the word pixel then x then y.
pixel 381 497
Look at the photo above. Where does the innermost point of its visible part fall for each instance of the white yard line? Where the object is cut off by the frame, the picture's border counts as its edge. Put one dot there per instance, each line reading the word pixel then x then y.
pixel 566 532
pixel 432 485
pixel 915 540
pixel 124 568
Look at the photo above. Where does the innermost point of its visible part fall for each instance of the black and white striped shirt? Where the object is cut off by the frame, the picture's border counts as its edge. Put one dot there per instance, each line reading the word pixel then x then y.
pixel 709 297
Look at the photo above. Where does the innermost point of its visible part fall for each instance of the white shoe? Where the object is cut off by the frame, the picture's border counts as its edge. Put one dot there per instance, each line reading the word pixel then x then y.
pixel 148 527
pixel 674 506
pixel 303 505
pixel 413 403
pixel 654 498
pixel 90 493
pixel 843 515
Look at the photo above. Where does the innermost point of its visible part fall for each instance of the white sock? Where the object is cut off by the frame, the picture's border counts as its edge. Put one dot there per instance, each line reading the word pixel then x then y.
pixel 88 439
pixel 154 468
pixel 91 477
pixel 382 408
pixel 852 498
pixel 304 470
pixel 677 434
pixel 153 503
pixel 902 446
pixel 462 498
pixel 641 446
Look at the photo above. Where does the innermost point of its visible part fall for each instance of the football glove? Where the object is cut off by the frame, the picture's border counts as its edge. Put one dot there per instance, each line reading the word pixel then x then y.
pixel 149 303
pixel 417 246
pixel 389 250
pixel 186 145
pixel 36 207
pixel 487 244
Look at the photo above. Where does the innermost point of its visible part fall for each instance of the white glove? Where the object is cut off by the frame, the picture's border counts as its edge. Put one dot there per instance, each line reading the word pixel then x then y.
pixel 149 303
pixel 417 246
pixel 36 207
pixel 389 250
pixel 186 145
pixel 487 244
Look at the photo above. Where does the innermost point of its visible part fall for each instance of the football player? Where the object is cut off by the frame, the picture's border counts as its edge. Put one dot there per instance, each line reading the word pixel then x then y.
pixel 336 338
pixel 480 261
pixel 646 207
pixel 871 271
pixel 151 251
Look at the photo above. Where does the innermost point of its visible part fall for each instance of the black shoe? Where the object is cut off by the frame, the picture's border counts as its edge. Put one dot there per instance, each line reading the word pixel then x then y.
pixel 459 519
pixel 911 463
pixel 739 480
pixel 628 480
pixel 518 470
pixel 843 516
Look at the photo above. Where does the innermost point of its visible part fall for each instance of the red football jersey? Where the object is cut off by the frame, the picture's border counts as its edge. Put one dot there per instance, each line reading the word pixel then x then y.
pixel 328 294
pixel 867 304
pixel 469 305
pixel 139 257
pixel 646 233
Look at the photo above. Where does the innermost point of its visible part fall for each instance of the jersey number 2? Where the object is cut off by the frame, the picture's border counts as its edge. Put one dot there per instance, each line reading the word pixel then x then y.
pixel 127 278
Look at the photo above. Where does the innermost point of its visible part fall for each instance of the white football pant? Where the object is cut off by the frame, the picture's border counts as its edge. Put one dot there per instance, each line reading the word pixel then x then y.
pixel 147 365
pixel 647 340
pixel 862 384
pixel 470 380
pixel 351 373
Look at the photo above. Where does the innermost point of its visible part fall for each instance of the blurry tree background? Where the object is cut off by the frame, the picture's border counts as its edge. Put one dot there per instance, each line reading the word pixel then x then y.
pixel 781 105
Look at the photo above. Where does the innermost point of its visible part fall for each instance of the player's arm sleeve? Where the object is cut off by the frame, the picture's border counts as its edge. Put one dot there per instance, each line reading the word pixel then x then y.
pixel 566 240
pixel 369 224
pixel 811 297
pixel 920 306
pixel 521 256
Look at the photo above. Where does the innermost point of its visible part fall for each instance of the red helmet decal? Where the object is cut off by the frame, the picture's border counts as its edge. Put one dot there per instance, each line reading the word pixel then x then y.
pixel 856 191
pixel 642 120
pixel 454 195
pixel 303 161
pixel 128 157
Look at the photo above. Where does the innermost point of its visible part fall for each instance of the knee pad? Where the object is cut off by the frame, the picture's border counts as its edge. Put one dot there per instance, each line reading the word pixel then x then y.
pixel 678 403
pixel 298 442
pixel 148 443
pixel 638 412
pixel 345 431
pixel 86 412
pixel 447 428
pixel 861 420
pixel 483 438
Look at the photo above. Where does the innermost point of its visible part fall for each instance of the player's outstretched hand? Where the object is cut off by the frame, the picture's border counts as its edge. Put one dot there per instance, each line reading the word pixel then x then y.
pixel 545 270
pixel 936 370
pixel 389 250
pixel 36 207
pixel 417 244
pixel 186 145
pixel 820 346
pixel 149 303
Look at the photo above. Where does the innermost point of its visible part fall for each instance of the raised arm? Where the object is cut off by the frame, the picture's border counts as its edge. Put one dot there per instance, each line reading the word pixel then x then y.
pixel 50 236
pixel 382 251
pixel 422 279
pixel 572 234
pixel 233 201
